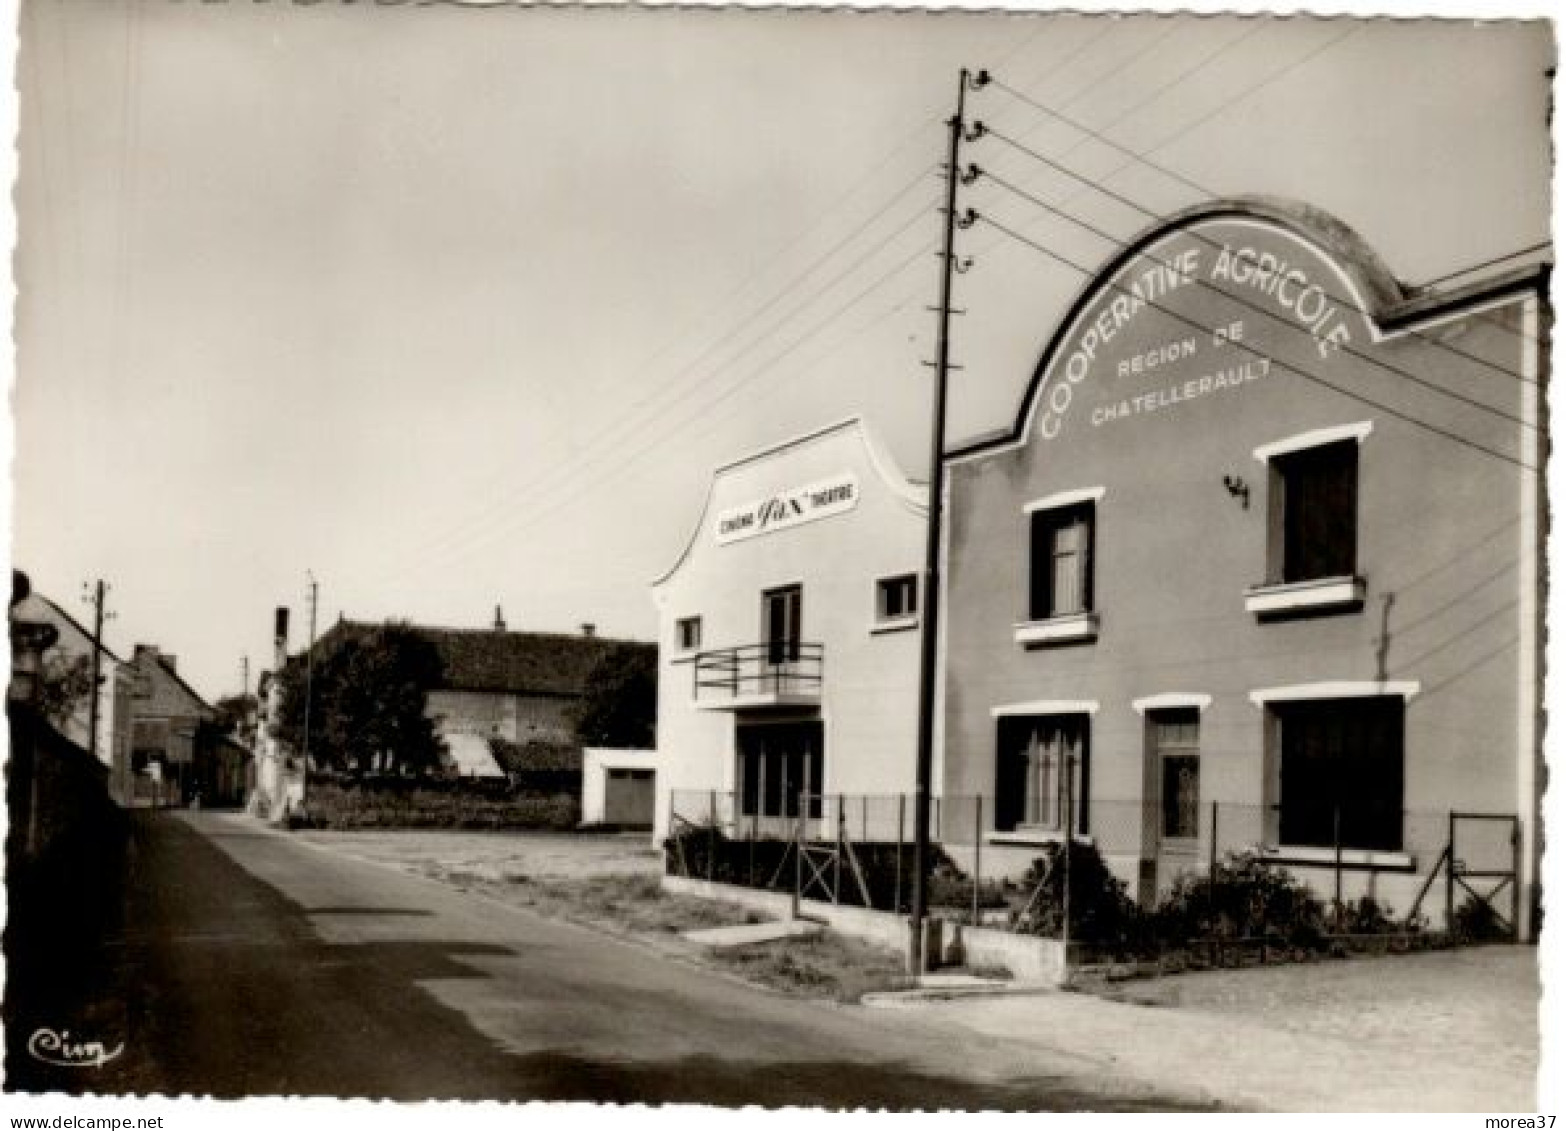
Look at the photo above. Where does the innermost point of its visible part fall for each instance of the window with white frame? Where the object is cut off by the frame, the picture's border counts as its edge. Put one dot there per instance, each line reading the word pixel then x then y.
pixel 1340 772
pixel 687 634
pixel 1041 773
pixel 1314 513
pixel 1060 567
pixel 896 598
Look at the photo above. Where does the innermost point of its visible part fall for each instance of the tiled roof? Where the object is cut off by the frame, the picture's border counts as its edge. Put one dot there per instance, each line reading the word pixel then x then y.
pixel 487 659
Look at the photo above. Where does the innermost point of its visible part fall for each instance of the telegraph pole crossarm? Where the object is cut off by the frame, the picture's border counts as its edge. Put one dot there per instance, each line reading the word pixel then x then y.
pixel 928 624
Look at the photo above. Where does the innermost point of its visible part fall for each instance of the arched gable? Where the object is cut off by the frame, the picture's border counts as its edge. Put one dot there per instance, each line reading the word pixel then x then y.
pixel 1347 292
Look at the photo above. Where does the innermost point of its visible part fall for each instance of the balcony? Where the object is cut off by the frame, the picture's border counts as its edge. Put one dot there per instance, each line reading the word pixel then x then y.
pixel 771 674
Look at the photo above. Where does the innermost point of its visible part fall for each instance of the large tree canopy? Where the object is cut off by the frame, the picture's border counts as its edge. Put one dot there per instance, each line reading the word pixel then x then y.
pixel 619 704
pixel 368 693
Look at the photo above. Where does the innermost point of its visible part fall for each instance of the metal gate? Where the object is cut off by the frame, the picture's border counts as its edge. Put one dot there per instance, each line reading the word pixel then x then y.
pixel 1482 863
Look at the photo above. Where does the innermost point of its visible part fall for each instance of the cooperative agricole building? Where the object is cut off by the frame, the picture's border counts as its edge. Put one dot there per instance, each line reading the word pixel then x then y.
pixel 1257 566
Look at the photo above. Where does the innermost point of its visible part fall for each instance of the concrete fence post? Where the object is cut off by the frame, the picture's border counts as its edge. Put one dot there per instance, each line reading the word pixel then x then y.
pixel 712 831
pixel 897 884
pixel 978 851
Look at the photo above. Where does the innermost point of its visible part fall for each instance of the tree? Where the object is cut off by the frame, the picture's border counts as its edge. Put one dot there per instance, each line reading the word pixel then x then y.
pixel 619 704
pixel 66 684
pixel 368 693
pixel 235 716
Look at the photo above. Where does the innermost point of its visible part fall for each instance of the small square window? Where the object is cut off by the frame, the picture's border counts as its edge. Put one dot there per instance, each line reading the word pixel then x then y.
pixel 687 634
pixel 896 598
pixel 1060 570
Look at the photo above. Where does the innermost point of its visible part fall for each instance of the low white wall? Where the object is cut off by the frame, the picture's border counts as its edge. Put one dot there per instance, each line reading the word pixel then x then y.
pixel 1030 959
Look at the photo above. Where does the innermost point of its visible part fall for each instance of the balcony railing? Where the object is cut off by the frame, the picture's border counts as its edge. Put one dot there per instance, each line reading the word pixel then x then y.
pixel 770 674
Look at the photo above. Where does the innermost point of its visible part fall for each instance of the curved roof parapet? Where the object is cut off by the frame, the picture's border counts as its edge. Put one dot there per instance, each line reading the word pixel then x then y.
pixel 1386 301
pixel 905 490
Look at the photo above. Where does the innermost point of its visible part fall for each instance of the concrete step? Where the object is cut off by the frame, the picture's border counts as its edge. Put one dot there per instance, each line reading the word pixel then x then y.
pixel 749 934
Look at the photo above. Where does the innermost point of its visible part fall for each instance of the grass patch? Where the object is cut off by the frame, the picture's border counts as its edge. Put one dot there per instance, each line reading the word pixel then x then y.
pixel 823 965
pixel 820 966
pixel 635 904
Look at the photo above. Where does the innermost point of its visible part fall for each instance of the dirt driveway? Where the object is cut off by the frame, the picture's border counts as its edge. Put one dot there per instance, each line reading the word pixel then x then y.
pixel 499 855
pixel 1443 1031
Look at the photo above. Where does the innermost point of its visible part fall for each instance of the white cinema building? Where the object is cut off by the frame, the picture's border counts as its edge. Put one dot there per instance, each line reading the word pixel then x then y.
pixel 789 642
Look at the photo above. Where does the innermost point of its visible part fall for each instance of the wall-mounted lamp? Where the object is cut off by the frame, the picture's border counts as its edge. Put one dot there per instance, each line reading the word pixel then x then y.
pixel 1239 489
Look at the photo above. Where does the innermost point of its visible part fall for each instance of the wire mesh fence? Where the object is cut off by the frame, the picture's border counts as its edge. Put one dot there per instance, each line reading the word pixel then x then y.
pixel 1000 862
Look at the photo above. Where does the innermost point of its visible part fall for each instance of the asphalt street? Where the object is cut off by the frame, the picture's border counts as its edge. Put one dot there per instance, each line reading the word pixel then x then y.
pixel 257 965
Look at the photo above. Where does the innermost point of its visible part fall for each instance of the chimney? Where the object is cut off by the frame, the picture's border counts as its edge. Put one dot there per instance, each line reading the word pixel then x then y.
pixel 589 628
pixel 280 639
pixel 500 620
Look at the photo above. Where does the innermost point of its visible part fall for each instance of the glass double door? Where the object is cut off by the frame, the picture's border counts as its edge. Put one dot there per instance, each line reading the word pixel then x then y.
pixel 777 763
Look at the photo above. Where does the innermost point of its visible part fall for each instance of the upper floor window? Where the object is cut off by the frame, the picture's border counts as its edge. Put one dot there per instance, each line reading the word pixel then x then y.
pixel 782 617
pixel 1060 569
pixel 1313 497
pixel 687 634
pixel 1312 524
pixel 896 598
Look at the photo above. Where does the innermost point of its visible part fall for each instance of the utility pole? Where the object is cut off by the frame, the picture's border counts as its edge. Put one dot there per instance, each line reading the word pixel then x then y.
pixel 95 596
pixel 928 622
pixel 309 673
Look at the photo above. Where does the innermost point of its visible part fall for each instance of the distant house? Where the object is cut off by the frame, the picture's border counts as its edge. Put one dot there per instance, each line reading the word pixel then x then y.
pixel 514 686
pixel 167 732
pixel 112 743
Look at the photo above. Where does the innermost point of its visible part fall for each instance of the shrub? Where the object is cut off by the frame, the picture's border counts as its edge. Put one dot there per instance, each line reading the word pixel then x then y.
pixel 708 852
pixel 1243 898
pixel 949 886
pixel 330 805
pixel 1366 917
pixel 1475 921
pixel 1102 914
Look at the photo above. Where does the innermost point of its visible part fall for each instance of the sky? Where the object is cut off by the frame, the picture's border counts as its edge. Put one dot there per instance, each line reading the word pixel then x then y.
pixel 451 308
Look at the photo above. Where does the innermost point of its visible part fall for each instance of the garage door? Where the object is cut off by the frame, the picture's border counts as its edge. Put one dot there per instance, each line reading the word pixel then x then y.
pixel 628 798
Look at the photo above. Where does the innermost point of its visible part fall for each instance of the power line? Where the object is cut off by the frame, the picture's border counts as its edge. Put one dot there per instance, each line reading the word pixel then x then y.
pixel 631 417
pixel 625 461
pixel 689 378
pixel 1143 159
pixel 1119 245
pixel 1388 409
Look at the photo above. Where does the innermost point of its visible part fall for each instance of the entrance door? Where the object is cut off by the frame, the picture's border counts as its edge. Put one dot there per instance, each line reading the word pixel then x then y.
pixel 778 762
pixel 1177 765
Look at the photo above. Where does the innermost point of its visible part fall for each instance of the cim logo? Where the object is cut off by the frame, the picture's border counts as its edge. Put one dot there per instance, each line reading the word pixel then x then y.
pixel 813 501
pixel 60 1050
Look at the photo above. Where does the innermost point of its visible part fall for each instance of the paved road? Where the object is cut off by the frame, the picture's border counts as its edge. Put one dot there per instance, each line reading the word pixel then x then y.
pixel 257 965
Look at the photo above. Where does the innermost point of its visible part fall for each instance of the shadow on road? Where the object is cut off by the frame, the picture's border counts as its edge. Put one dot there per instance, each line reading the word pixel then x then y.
pixel 230 991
